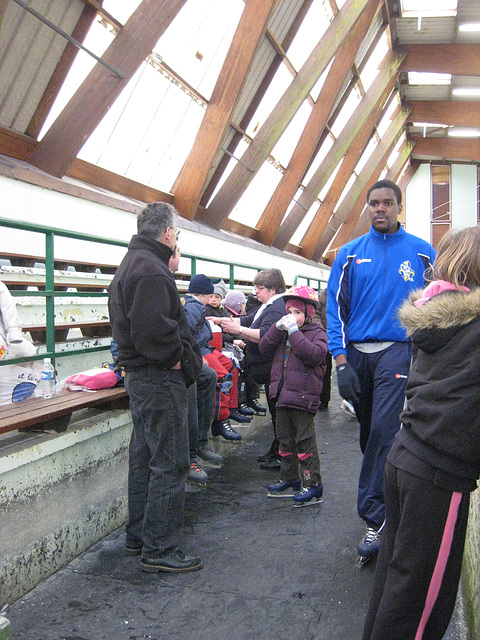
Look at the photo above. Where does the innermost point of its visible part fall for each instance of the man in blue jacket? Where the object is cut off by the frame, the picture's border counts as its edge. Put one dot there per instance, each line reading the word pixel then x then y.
pixel 370 278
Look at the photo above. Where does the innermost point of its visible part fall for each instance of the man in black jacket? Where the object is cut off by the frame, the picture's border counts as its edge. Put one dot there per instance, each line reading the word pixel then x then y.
pixel 161 359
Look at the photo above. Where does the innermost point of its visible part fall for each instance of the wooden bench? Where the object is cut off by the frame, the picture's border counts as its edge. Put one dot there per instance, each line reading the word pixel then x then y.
pixel 55 413
pixel 89 329
pixel 28 260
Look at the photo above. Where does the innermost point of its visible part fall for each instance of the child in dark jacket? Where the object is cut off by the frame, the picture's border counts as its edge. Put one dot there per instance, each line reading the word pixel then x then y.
pixel 434 463
pixel 298 347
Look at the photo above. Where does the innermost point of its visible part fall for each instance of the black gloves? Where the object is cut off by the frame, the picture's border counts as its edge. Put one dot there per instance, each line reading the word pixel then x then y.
pixel 348 384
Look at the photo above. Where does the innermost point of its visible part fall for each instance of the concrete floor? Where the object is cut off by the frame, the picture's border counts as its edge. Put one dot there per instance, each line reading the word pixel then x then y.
pixel 270 571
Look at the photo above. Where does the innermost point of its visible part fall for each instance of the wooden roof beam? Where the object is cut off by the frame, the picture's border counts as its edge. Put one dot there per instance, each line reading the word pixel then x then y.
pixel 404 155
pixel 350 161
pixel 61 71
pixel 252 108
pixel 460 113
pixel 282 114
pixel 341 68
pixel 368 175
pixel 380 88
pixel 466 149
pixel 193 177
pixel 457 59
pixel 62 142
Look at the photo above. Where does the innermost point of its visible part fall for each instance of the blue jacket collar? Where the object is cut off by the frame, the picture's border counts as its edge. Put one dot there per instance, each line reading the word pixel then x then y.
pixel 387 237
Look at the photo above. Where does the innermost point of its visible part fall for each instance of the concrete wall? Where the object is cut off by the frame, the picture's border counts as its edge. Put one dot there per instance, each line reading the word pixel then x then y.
pixel 471 570
pixel 61 493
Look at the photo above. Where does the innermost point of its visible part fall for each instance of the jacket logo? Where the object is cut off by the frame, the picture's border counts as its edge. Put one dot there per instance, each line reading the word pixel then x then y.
pixel 360 260
pixel 406 271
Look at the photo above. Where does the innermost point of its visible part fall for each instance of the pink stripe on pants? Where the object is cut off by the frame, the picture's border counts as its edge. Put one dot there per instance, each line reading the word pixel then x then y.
pixel 439 570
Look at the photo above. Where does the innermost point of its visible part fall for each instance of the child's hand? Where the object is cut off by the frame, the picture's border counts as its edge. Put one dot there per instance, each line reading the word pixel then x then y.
pixel 290 323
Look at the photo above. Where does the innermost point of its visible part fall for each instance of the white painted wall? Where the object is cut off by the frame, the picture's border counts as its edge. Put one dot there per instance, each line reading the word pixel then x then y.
pixel 418 204
pixel 464 196
pixel 31 203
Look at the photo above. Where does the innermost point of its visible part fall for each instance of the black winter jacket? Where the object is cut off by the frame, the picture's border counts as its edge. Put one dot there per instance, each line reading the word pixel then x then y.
pixel 441 423
pixel 147 317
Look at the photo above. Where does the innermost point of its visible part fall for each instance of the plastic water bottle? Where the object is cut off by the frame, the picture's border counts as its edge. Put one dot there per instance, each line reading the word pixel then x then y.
pixel 48 379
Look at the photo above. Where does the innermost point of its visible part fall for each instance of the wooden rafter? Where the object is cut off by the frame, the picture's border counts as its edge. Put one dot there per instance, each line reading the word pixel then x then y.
pixel 386 78
pixel 190 185
pixel 62 142
pixel 63 67
pixel 459 112
pixel 350 160
pixel 393 174
pixel 346 214
pixel 282 114
pixel 252 108
pixel 466 149
pixel 457 59
pixel 275 210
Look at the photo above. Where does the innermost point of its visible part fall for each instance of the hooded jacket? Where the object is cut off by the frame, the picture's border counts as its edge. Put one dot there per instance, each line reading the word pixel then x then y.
pixel 441 423
pixel 147 317
pixel 199 326
pixel 298 384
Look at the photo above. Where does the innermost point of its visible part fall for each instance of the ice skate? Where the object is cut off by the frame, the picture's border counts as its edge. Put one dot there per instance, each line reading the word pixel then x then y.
pixel 284 489
pixel 209 457
pixel 370 544
pixel 309 496
pixel 197 478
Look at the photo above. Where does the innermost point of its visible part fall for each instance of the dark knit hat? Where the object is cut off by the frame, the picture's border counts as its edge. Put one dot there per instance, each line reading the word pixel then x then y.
pixel 200 284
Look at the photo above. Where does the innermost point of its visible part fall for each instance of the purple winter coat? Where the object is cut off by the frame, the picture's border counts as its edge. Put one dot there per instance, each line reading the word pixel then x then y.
pixel 299 386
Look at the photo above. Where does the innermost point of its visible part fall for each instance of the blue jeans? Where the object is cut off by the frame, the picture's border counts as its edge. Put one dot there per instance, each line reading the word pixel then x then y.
pixel 201 397
pixel 158 459
pixel 383 376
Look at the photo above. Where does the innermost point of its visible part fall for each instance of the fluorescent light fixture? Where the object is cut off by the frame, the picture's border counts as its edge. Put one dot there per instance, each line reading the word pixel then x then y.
pixel 457 132
pixel 417 77
pixel 428 9
pixel 472 91
pixel 429 124
pixel 469 26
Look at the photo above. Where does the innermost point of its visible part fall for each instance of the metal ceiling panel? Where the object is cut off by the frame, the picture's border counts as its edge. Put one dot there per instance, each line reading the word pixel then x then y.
pixel 432 30
pixel 426 92
pixel 29 54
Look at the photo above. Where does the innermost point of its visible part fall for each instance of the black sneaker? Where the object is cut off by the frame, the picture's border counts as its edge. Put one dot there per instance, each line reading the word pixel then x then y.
pixel 132 550
pixel 223 428
pixel 175 561
pixel 271 462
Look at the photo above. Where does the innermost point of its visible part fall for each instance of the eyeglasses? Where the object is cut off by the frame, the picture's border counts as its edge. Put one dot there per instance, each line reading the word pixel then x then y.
pixel 259 287
pixel 177 231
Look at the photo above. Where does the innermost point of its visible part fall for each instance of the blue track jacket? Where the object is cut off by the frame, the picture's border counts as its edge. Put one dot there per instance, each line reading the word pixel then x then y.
pixel 370 278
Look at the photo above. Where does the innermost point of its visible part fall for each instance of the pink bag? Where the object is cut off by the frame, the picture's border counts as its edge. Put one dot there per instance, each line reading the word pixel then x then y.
pixel 92 380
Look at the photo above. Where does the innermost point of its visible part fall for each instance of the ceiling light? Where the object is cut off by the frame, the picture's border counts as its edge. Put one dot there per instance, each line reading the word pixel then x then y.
pixel 415 8
pixel 467 92
pixel 469 26
pixel 428 124
pixel 456 132
pixel 416 77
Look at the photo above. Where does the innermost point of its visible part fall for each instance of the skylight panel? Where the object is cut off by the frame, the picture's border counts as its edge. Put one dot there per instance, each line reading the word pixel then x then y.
pixel 311 31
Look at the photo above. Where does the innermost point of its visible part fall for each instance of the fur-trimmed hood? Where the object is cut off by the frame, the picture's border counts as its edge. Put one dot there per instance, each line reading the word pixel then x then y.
pixel 435 322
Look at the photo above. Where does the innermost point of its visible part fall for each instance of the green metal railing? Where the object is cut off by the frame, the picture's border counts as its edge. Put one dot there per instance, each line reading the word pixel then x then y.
pixel 50 294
